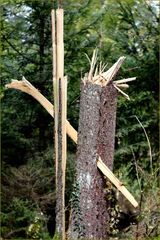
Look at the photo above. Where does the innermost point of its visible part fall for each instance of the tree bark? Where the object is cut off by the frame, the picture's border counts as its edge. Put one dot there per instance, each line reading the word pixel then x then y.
pixel 89 219
pixel 61 166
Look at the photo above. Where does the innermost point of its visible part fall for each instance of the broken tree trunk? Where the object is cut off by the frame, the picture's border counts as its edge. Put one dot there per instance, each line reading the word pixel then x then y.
pixel 89 217
pixel 61 160
pixel 27 87
pixel 95 138
pixel 60 115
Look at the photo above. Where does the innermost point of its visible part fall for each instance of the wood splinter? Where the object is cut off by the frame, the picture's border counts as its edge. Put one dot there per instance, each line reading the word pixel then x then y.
pixel 27 87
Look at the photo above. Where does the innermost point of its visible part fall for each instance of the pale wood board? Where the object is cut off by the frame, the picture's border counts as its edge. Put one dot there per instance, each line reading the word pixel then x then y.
pixel 125 80
pixel 55 90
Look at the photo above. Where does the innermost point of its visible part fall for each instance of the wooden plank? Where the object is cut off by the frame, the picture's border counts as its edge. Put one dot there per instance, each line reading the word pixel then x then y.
pixel 123 85
pixel 125 80
pixel 60 43
pixel 119 185
pixel 72 133
pixel 55 91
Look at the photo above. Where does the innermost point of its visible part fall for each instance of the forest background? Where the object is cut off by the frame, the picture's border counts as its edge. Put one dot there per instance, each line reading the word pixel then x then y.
pixel 117 28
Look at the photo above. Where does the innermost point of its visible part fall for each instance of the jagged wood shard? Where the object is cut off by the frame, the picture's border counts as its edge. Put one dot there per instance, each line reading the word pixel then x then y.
pixel 119 90
pixel 104 78
pixel 27 87
pixel 125 80
pixel 122 85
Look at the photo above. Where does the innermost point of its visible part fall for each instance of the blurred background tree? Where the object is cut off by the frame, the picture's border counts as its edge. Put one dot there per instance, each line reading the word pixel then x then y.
pixel 116 28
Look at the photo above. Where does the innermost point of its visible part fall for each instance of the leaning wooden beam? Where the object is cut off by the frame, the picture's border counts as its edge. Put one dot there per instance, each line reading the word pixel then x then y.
pixel 27 87
pixel 119 185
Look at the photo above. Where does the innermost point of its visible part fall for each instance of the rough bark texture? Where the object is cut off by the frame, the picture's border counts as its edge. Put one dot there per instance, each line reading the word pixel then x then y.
pixel 95 137
pixel 107 124
pixel 60 204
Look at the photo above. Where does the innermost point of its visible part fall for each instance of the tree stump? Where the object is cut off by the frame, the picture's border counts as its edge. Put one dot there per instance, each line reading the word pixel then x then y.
pixel 89 219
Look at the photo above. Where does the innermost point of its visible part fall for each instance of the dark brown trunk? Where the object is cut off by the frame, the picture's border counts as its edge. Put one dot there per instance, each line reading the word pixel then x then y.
pixel 107 124
pixel 59 190
pixel 95 137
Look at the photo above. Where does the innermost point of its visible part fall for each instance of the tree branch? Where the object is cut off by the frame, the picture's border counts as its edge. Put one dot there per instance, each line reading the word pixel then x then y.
pixel 8 235
pixel 27 87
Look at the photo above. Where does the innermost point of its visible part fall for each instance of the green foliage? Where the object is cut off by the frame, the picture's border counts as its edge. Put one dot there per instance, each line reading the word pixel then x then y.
pixel 56 236
pixel 28 197
pixel 19 213
pixel 37 230
pixel 79 227
pixel 155 238
pixel 145 188
pixel 24 213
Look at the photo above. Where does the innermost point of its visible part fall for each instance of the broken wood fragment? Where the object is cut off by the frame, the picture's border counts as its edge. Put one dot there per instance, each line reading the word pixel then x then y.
pixel 55 91
pixel 124 80
pixel 104 78
pixel 122 85
pixel 119 90
pixel 27 87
